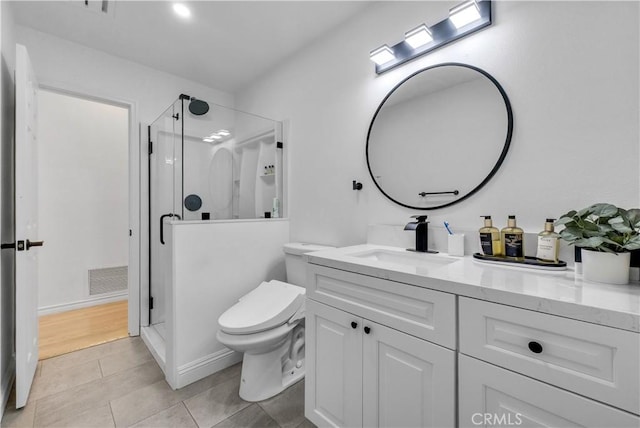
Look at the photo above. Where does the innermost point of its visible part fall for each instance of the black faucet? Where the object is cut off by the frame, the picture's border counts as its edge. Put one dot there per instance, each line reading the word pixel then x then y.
pixel 421 226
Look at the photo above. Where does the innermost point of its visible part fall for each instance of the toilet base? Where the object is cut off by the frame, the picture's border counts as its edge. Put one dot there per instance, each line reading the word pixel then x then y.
pixel 268 374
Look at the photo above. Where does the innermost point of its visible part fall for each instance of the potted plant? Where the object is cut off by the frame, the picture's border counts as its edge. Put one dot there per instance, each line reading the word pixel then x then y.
pixel 608 234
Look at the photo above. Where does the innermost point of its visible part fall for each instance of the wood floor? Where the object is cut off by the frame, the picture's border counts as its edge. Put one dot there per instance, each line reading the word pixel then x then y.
pixel 78 329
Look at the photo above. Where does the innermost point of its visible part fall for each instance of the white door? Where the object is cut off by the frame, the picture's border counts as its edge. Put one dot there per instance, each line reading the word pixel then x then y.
pixel 333 385
pixel 491 396
pixel 26 204
pixel 406 381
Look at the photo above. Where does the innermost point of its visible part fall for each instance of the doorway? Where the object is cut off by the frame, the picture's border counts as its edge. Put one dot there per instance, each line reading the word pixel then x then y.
pixel 83 204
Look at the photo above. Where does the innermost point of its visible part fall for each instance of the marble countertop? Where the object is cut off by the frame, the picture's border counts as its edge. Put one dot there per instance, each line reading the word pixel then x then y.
pixel 557 293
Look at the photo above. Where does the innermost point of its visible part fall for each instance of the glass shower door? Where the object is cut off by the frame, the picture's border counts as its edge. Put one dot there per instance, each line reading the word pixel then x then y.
pixel 165 135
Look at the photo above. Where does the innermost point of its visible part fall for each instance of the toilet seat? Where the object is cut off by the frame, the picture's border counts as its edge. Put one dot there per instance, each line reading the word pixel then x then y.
pixel 269 305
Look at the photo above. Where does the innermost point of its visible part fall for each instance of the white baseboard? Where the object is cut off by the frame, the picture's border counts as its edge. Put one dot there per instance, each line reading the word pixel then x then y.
pixel 7 381
pixel 205 366
pixel 92 301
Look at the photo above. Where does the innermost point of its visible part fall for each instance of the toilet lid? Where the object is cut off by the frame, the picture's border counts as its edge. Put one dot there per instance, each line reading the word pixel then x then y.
pixel 269 305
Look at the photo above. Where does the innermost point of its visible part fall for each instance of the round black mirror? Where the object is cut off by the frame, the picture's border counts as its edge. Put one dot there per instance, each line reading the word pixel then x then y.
pixel 439 136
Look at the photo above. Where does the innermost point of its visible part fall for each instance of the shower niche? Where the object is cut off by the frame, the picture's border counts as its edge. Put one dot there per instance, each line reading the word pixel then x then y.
pixel 207 164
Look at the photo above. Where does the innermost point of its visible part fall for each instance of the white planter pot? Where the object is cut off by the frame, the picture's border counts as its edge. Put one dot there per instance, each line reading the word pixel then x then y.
pixel 609 268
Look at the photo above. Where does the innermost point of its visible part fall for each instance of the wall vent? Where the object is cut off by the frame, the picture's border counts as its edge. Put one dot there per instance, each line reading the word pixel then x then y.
pixel 107 280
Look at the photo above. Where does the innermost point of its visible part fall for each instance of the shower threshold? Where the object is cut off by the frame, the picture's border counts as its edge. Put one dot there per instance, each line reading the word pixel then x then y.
pixel 153 337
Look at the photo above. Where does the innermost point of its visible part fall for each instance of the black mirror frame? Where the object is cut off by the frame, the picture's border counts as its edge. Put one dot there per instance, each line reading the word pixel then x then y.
pixel 495 168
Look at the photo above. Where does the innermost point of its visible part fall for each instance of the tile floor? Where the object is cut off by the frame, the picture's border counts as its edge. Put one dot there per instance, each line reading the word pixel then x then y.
pixel 119 384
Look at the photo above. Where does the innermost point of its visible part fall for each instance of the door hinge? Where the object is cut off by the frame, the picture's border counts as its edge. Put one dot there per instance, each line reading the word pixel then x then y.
pixel 279 144
pixel 130 232
pixel 150 147
pixel 150 302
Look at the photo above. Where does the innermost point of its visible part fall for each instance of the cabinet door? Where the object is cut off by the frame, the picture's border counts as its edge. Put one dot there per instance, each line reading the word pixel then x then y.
pixel 491 396
pixel 407 382
pixel 333 385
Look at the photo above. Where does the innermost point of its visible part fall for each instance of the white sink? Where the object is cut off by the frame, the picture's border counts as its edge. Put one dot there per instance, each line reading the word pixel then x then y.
pixel 404 258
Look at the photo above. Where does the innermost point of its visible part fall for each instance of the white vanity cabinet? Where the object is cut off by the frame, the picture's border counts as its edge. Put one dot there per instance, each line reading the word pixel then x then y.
pixel 402 347
pixel 363 373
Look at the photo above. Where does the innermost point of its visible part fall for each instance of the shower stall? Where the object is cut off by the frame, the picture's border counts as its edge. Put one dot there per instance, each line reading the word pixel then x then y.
pixel 207 165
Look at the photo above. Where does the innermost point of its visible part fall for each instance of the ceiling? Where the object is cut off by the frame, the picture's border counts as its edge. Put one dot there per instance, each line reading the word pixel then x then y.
pixel 224 44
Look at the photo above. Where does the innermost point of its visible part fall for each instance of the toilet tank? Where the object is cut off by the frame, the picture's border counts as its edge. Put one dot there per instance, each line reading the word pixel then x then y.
pixel 296 266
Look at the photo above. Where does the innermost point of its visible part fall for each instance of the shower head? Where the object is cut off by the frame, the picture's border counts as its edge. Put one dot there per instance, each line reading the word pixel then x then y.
pixel 198 107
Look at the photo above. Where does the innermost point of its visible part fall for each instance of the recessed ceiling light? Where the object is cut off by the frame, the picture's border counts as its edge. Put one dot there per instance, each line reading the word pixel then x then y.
pixel 207 140
pixel 215 137
pixel 181 10
pixel 223 132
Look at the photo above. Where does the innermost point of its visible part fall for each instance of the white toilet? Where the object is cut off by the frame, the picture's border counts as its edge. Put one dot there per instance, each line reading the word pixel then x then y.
pixel 267 324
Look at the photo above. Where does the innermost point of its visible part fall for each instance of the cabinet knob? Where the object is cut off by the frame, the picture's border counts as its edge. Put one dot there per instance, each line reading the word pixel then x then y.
pixel 535 347
pixel 354 324
pixel 367 330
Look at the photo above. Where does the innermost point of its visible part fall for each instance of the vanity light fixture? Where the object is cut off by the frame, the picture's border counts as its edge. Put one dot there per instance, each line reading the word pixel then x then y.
pixel 464 14
pixel 463 20
pixel 382 55
pixel 419 36
pixel 181 10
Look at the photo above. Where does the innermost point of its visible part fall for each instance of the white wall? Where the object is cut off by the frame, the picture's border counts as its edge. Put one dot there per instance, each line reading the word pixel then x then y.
pixel 214 264
pixel 7 229
pixel 570 70
pixel 83 187
pixel 65 64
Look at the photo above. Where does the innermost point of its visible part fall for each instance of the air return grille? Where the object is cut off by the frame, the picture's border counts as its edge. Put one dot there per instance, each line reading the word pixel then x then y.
pixel 99 6
pixel 107 280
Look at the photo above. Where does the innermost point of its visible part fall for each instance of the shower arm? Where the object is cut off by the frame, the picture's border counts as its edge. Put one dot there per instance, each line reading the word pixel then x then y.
pixel 162 217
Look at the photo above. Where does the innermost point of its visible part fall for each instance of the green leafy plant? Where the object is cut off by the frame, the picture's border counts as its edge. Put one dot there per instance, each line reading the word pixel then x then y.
pixel 602 227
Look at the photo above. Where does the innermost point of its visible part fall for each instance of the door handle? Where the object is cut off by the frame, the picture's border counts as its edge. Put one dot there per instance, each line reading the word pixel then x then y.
pixel 20 245
pixel 34 244
pixel 162 217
